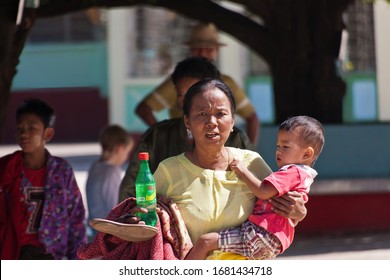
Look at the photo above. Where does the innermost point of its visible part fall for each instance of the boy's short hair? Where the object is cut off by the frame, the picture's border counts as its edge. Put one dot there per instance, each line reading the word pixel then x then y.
pixel 39 108
pixel 311 131
pixel 195 67
pixel 112 136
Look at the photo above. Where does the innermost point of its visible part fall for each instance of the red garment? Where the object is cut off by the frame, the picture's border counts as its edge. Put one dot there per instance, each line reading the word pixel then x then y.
pixel 32 200
pixel 288 178
pixel 10 170
pixel 62 228
pixel 172 241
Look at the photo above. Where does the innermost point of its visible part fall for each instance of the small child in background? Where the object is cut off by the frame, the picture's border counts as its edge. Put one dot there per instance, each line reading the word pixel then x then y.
pixel 105 175
pixel 266 234
pixel 41 208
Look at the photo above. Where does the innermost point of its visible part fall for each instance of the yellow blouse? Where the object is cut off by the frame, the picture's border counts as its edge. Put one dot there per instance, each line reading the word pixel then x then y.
pixel 209 200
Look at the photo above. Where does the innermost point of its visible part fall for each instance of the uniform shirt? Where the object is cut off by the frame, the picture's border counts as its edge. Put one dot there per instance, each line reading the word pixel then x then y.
pixel 164 97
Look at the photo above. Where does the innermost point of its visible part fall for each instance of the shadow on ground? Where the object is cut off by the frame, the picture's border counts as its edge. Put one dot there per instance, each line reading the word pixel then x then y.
pixel 333 243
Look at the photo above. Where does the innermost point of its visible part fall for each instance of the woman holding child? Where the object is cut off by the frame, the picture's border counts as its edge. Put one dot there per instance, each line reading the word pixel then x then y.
pixel 207 192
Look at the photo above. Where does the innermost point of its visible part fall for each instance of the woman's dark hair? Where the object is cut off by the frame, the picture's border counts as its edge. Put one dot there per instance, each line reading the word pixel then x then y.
pixel 204 85
pixel 39 108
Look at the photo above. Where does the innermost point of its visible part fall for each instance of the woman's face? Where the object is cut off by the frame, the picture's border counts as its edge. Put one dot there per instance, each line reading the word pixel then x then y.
pixel 210 119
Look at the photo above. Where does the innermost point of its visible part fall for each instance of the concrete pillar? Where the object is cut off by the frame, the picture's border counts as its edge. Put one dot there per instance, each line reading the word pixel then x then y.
pixel 382 47
pixel 117 63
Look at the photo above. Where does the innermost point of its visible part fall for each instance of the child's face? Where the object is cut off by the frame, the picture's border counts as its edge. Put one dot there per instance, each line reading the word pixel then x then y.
pixel 290 149
pixel 124 151
pixel 31 134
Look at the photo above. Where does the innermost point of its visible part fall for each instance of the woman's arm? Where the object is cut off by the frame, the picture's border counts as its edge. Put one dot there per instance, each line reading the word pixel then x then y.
pixel 291 205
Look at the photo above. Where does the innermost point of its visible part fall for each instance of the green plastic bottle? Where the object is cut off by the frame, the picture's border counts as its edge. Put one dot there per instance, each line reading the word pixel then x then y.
pixel 145 189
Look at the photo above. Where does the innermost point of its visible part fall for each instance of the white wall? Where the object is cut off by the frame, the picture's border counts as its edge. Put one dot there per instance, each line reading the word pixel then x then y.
pixel 230 60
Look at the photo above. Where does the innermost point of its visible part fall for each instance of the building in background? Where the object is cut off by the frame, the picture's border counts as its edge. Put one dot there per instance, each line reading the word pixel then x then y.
pixel 95 66
pixel 121 54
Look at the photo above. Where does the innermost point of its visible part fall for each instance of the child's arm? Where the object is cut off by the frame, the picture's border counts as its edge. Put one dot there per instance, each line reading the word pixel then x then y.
pixel 206 243
pixel 262 190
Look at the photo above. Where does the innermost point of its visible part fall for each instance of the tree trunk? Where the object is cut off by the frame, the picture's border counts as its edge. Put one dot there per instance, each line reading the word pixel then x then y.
pixel 12 40
pixel 304 45
pixel 299 39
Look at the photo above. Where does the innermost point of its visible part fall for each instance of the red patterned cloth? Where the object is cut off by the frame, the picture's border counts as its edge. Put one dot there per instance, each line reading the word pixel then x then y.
pixel 172 241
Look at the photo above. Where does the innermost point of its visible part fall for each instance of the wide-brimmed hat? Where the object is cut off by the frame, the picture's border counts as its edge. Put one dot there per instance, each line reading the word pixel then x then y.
pixel 204 35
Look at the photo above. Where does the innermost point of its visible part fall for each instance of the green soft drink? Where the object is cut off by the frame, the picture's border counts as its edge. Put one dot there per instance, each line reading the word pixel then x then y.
pixel 145 188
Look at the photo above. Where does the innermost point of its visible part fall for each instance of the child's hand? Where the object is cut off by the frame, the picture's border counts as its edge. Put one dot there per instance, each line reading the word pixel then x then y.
pixel 237 166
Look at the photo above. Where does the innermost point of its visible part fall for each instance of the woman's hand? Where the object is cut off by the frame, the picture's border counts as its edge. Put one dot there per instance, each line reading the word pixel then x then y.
pixel 291 205
pixel 132 217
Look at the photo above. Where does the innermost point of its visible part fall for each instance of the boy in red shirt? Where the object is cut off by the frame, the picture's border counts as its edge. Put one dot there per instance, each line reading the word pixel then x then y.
pixel 41 208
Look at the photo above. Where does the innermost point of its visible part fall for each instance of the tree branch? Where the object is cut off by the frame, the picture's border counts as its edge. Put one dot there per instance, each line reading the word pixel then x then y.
pixel 257 7
pixel 254 36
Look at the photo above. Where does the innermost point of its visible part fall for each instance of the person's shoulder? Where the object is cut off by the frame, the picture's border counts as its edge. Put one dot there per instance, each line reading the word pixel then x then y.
pixel 174 159
pixel 229 81
pixel 165 85
pixel 305 169
pixel 58 161
pixel 9 160
pixel 238 130
pixel 171 163
pixel 242 154
pixel 237 91
pixel 239 139
pixel 10 156
pixel 226 78
pixel 166 123
pixel 162 125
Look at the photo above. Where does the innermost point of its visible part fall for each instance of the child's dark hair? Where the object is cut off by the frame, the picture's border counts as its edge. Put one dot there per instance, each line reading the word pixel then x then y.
pixel 112 136
pixel 39 108
pixel 310 130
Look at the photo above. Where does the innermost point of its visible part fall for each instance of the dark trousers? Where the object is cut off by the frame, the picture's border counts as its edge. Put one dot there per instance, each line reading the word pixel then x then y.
pixel 30 252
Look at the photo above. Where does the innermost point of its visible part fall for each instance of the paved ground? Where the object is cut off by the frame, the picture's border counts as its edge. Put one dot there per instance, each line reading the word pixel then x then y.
pixel 357 246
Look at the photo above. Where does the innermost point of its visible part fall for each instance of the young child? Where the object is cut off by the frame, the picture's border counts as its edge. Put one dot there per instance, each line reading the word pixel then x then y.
pixel 105 175
pixel 42 213
pixel 266 234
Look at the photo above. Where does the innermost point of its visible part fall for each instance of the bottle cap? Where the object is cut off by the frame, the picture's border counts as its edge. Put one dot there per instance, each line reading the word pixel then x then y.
pixel 143 156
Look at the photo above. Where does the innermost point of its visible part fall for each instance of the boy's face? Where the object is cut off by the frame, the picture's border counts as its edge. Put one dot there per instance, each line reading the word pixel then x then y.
pixel 124 152
pixel 31 135
pixel 290 149
pixel 182 87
